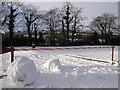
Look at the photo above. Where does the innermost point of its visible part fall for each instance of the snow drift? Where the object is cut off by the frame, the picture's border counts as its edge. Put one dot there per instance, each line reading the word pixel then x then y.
pixel 22 71
pixel 52 65
pixel 60 70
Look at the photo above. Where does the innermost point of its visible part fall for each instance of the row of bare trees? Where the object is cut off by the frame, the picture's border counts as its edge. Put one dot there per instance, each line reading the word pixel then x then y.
pixel 15 15
pixel 105 25
pixel 68 21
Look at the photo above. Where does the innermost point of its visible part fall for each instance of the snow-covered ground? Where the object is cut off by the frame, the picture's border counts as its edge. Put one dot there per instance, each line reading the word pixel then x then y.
pixel 59 69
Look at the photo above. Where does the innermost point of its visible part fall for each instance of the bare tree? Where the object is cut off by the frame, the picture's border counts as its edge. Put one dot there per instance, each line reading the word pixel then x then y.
pixel 71 21
pixel 77 21
pixel 67 10
pixel 30 15
pixel 105 25
pixel 62 36
pixel 10 11
pixel 35 27
pixel 52 20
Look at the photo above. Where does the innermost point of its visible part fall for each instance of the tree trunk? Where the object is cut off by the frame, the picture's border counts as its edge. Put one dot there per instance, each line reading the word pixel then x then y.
pixel 63 34
pixel 11 28
pixel 67 22
pixel 74 30
pixel 35 36
pixel 29 35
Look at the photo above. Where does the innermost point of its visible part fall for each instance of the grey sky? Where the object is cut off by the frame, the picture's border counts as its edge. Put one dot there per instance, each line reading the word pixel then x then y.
pixel 90 9
pixel 68 0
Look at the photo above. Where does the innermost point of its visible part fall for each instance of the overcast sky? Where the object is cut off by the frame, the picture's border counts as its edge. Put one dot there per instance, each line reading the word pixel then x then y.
pixel 90 9
pixel 68 0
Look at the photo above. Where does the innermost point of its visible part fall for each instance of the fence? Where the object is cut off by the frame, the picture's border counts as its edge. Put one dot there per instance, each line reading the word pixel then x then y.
pixel 12 49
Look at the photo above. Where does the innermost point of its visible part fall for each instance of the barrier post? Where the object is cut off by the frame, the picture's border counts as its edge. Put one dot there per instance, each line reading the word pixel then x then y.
pixel 112 54
pixel 12 54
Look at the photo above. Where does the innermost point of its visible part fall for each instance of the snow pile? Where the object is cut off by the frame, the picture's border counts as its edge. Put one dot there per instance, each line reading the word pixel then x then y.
pixel 59 66
pixel 22 71
pixel 52 65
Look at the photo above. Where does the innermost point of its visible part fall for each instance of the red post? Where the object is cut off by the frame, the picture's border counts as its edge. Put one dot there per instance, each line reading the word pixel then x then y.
pixel 112 54
pixel 12 54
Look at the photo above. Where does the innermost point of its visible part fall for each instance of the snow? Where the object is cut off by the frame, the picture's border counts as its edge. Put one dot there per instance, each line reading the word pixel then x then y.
pixel 22 71
pixel 59 69
pixel 52 65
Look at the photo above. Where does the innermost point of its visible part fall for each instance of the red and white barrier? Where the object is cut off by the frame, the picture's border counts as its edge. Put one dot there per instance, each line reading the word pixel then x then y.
pixel 12 50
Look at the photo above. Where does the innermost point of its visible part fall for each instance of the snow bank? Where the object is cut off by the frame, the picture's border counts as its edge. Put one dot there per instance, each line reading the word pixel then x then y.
pixel 22 71
pixel 52 65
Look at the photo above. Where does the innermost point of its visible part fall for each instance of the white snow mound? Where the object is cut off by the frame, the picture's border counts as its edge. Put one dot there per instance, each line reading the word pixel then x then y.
pixel 52 65
pixel 22 71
